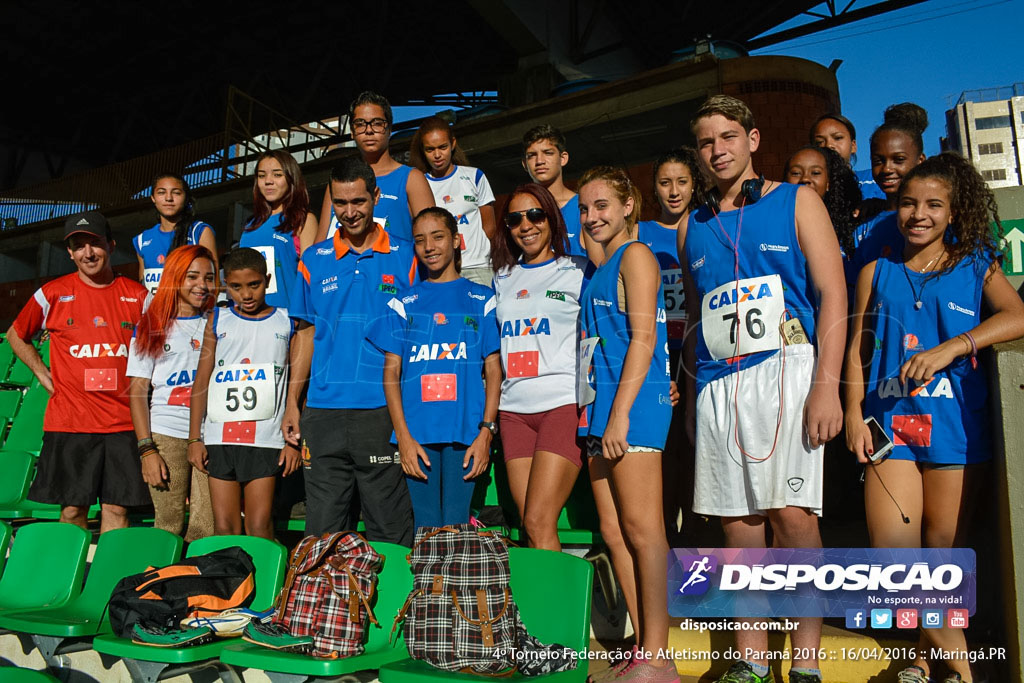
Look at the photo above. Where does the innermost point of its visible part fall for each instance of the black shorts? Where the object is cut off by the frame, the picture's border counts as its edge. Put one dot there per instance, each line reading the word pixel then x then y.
pixel 242 463
pixel 76 469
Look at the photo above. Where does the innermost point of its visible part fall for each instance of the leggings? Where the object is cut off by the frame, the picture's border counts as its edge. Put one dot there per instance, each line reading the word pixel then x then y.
pixel 444 497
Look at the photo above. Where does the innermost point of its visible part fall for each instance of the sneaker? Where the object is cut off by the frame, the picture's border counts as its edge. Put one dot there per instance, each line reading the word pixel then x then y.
pixel 801 677
pixel 912 674
pixel 229 623
pixel 645 672
pixel 621 666
pixel 740 672
pixel 275 637
pixel 158 636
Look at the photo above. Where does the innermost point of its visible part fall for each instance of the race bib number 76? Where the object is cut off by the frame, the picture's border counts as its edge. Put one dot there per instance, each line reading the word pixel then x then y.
pixel 241 393
pixel 743 316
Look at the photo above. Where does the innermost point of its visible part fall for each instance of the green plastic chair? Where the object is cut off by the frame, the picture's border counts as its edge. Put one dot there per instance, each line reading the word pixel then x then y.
pixel 45 567
pixel 119 553
pixel 44 352
pixel 10 400
pixel 149 663
pixel 5 539
pixel 394 585
pixel 27 430
pixel 12 674
pixel 14 503
pixel 20 375
pixel 553 591
pixel 16 471
pixel 6 357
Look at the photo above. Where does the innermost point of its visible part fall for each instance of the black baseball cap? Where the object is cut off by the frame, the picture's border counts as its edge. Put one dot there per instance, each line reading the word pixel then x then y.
pixel 91 222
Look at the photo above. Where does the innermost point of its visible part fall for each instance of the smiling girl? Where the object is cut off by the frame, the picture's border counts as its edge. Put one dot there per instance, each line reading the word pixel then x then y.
pixel 163 356
pixel 897 146
pixel 624 318
pixel 912 365
pixel 438 340
pixel 282 226
pixel 537 289
pixel 172 199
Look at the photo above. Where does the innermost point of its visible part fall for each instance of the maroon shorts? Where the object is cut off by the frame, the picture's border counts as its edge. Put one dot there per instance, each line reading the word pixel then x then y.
pixel 554 431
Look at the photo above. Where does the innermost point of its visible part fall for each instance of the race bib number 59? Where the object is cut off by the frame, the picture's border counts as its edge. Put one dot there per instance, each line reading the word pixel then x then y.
pixel 743 317
pixel 241 393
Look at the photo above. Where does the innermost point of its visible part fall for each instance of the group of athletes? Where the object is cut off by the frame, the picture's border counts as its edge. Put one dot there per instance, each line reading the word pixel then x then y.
pixel 383 345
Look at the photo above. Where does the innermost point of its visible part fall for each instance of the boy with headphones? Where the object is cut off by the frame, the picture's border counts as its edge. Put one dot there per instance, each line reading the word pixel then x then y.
pixel 765 291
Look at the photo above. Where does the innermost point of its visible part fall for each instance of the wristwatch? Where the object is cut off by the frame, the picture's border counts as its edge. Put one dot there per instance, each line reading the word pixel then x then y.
pixel 491 426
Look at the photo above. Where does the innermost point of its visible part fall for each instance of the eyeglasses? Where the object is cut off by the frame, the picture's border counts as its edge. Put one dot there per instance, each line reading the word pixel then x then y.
pixel 514 218
pixel 376 125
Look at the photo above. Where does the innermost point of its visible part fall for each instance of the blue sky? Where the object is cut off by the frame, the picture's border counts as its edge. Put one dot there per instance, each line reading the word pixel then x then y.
pixel 927 53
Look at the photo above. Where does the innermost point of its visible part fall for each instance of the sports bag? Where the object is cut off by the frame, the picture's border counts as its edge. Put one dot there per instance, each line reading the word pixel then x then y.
pixel 201 586
pixel 460 615
pixel 327 593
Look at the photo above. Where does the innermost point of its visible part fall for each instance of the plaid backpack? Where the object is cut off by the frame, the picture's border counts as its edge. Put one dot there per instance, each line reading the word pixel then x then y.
pixel 460 615
pixel 327 592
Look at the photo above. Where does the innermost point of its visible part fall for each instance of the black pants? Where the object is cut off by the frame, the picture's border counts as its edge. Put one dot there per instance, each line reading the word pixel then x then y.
pixel 350 449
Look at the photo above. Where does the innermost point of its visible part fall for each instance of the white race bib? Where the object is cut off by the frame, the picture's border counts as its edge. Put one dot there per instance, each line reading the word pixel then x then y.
pixel 743 317
pixel 675 302
pixel 241 393
pixel 151 278
pixel 271 259
pixel 585 393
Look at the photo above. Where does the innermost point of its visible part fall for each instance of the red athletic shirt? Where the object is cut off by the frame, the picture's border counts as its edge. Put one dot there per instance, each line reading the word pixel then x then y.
pixel 90 329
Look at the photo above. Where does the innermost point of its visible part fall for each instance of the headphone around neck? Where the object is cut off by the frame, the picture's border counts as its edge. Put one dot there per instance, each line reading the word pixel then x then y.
pixel 750 190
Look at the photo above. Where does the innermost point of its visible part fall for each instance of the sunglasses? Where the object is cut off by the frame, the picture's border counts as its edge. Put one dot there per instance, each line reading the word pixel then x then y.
pixel 514 218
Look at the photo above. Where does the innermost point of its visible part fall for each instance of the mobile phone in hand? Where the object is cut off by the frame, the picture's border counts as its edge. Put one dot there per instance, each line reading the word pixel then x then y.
pixel 881 444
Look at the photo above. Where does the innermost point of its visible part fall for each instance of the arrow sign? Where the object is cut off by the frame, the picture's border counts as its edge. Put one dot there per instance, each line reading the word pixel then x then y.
pixel 1014 239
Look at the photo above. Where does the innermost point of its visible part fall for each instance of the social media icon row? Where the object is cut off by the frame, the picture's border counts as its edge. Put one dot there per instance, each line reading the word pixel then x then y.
pixel 905 618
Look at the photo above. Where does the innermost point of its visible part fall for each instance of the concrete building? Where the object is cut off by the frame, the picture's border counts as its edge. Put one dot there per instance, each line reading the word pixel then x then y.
pixel 986 126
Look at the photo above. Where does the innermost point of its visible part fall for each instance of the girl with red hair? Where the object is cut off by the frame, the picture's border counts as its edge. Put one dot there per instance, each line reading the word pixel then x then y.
pixel 163 356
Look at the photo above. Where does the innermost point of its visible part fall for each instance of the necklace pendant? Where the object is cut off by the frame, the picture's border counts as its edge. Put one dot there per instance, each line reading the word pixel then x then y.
pixel 918 305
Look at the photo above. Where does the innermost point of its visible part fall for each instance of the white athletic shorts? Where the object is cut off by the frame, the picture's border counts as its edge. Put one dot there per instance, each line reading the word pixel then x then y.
pixel 731 483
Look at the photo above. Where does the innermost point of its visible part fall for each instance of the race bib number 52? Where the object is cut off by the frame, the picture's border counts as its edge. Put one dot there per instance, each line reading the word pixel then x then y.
pixel 241 393
pixel 743 317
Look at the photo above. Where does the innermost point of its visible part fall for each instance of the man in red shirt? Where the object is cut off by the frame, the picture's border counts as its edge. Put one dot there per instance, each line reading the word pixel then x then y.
pixel 89 448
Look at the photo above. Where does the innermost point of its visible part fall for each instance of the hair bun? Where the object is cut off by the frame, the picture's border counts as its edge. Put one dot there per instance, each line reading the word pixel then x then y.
pixel 906 116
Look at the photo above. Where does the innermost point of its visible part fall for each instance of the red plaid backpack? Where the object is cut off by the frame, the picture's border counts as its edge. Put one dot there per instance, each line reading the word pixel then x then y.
pixel 460 615
pixel 327 592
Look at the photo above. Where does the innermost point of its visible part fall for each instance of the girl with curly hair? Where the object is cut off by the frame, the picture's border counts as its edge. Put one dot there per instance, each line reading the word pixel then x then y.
pixel 912 365
pixel 825 172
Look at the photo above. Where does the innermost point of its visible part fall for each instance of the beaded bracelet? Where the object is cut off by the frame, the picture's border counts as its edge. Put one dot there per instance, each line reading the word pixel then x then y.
pixel 147 452
pixel 974 350
pixel 192 441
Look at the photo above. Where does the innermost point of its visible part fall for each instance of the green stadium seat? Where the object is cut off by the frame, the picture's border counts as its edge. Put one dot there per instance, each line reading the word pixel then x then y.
pixel 12 674
pixel 27 430
pixel 45 567
pixel 119 553
pixel 553 591
pixel 16 471
pixel 393 587
pixel 5 539
pixel 6 358
pixel 10 401
pixel 20 375
pixel 145 662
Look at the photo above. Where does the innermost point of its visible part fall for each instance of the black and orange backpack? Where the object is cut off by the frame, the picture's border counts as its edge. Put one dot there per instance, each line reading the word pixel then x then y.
pixel 202 586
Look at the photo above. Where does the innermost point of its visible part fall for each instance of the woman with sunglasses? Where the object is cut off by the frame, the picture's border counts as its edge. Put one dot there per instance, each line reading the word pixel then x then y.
pixel 404 191
pixel 537 289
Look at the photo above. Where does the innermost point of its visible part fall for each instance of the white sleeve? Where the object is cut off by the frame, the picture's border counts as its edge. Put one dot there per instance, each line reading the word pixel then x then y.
pixel 484 195
pixel 138 365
